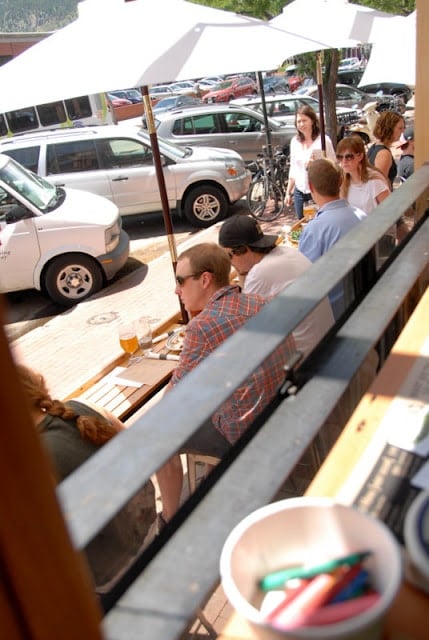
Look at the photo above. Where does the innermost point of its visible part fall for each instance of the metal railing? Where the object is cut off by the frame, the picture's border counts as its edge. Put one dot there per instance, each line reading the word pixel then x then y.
pixel 179 571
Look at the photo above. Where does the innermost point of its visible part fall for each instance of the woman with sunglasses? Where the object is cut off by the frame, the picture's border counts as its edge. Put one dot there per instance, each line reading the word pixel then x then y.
pixel 304 147
pixel 363 186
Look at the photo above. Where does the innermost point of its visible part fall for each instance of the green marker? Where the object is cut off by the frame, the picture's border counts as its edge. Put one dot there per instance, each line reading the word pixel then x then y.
pixel 278 579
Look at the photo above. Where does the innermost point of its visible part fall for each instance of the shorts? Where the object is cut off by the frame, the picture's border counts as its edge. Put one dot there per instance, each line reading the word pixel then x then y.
pixel 206 441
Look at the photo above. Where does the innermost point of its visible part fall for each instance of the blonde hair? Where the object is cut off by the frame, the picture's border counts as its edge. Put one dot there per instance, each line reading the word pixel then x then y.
pixel 91 428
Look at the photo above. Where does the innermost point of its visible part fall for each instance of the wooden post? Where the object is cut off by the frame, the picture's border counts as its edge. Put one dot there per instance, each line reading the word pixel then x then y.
pixel 45 587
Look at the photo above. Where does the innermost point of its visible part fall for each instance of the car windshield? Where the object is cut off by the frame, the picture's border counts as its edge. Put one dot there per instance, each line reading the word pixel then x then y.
pixel 41 193
pixel 223 85
pixel 170 149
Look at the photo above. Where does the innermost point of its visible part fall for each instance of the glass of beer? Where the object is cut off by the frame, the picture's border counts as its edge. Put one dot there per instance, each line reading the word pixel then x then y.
pixel 127 332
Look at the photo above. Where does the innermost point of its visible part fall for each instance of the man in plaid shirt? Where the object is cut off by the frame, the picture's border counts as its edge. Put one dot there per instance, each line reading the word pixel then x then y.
pixel 202 277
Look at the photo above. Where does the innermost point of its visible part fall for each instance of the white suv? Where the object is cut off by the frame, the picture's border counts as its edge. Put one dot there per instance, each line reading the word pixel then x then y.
pixel 64 242
pixel 117 162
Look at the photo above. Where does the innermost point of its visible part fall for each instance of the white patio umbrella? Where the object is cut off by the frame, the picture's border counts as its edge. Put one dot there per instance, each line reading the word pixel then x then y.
pixel 337 23
pixel 393 53
pixel 117 44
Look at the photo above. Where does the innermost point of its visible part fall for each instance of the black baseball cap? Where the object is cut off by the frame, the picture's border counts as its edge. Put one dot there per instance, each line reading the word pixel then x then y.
pixel 242 230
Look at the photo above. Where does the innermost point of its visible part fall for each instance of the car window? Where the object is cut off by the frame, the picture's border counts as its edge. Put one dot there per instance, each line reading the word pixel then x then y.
pixel 202 124
pixel 241 122
pixel 124 152
pixel 51 113
pixel 70 157
pixel 28 157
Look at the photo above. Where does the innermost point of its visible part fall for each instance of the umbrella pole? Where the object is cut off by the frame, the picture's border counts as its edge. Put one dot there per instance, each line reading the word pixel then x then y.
pixel 264 113
pixel 321 107
pixel 161 186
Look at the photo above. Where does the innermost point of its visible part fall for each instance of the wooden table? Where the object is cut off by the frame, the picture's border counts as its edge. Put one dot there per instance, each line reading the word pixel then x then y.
pixel 106 391
pixel 408 617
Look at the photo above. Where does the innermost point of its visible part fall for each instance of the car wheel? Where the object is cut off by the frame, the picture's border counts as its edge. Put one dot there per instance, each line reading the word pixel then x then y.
pixel 72 278
pixel 205 205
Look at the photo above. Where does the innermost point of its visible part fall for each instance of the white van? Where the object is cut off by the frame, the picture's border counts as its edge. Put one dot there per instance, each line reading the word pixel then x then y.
pixel 63 242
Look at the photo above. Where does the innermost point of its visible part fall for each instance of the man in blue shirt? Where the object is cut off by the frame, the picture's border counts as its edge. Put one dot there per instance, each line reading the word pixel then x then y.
pixel 333 220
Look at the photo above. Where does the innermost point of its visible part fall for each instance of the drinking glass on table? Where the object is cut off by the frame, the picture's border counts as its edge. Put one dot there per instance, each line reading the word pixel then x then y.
pixel 144 333
pixel 127 332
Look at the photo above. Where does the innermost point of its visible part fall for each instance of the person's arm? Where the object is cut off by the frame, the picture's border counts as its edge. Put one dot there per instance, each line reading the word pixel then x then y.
pixel 291 180
pixel 383 161
pixel 330 152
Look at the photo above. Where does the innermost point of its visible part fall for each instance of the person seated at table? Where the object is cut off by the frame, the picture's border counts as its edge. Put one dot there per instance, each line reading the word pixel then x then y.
pixel 267 268
pixel 71 432
pixel 202 276
pixel 334 218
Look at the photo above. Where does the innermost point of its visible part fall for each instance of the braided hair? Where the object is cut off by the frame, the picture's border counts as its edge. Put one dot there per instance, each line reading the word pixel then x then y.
pixel 96 430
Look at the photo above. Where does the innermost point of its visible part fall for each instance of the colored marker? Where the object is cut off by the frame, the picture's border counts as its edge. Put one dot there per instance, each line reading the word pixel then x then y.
pixel 333 613
pixel 314 596
pixel 278 579
pixel 357 586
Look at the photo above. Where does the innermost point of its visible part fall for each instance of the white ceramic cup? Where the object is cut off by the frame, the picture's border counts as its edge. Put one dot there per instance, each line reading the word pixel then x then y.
pixel 308 530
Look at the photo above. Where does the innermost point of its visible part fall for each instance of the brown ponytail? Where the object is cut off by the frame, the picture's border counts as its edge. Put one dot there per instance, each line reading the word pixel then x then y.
pixel 96 430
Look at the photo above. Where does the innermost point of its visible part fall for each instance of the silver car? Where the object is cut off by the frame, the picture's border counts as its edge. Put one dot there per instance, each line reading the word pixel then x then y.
pixel 117 162
pixel 223 125
pixel 283 107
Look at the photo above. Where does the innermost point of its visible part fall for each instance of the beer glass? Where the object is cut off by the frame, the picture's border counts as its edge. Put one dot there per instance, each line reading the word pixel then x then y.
pixel 127 332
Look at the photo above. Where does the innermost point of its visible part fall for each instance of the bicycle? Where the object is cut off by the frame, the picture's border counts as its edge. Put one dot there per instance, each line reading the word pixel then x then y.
pixel 267 191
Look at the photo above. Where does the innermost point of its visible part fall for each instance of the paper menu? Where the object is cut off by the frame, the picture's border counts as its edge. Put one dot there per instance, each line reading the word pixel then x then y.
pixel 145 371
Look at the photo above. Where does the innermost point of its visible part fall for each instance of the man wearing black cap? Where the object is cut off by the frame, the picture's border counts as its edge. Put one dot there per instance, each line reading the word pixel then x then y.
pixel 268 268
pixel 406 161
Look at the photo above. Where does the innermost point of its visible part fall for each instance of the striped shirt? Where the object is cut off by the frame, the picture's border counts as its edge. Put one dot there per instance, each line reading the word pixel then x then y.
pixel 227 311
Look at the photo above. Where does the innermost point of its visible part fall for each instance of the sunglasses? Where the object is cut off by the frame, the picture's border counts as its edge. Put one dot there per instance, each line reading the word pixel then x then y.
pixel 182 279
pixel 346 156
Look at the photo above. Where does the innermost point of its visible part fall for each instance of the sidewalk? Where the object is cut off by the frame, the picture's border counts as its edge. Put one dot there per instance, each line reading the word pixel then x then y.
pixel 74 346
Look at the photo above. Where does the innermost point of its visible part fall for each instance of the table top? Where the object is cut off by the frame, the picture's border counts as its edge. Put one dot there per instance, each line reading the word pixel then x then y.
pixel 126 384
pixel 338 477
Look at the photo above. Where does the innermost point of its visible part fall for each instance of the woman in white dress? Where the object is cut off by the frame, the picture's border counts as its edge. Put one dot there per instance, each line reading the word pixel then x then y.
pixel 304 147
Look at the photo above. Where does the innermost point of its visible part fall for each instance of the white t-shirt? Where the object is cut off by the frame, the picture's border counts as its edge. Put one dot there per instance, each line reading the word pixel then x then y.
pixel 364 196
pixel 272 274
pixel 300 157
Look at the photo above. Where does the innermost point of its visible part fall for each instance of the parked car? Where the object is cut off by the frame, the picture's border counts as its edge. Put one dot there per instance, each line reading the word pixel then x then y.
pixel 158 92
pixel 64 242
pixel 230 89
pixel 133 95
pixel 283 107
pixel 222 125
pixel 293 79
pixel 391 88
pixel 117 101
pixel 347 96
pixel 348 64
pixel 185 87
pixel 275 84
pixel 175 102
pixel 117 162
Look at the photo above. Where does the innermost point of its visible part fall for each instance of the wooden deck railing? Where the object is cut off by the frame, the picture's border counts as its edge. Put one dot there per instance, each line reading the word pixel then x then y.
pixel 180 570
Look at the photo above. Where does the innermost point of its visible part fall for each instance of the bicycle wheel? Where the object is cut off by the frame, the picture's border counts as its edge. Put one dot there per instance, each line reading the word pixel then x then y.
pixel 265 199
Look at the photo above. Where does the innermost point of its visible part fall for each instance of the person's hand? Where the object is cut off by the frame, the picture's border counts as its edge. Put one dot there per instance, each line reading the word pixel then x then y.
pixel 288 199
